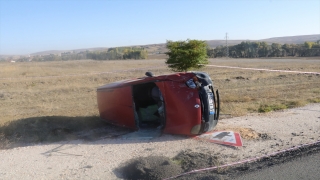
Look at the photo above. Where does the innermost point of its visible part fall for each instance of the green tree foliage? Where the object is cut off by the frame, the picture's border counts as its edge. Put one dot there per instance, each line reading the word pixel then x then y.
pixel 73 56
pixel 316 45
pixel 308 44
pixel 108 54
pixel 263 49
pixel 186 55
pixel 118 53
pixel 276 50
pixel 134 53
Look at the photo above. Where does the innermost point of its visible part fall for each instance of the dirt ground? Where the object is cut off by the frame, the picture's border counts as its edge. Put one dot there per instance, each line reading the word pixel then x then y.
pixel 49 113
pixel 161 167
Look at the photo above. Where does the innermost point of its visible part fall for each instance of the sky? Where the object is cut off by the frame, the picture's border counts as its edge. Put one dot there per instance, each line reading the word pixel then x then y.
pixel 29 26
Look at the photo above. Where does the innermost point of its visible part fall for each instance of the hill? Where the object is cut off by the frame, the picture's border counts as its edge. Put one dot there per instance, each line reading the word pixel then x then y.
pixel 62 51
pixel 293 39
pixel 156 50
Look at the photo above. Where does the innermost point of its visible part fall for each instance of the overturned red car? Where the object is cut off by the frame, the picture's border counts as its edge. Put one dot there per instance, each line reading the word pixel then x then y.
pixel 180 103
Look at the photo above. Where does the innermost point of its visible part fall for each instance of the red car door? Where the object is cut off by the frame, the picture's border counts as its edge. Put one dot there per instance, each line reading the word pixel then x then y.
pixel 115 106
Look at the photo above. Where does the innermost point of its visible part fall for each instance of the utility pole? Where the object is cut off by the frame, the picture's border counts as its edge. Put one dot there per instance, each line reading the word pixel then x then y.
pixel 227 48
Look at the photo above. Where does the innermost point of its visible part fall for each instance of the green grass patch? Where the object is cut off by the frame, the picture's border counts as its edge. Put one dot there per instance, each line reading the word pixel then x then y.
pixel 294 104
pixel 284 105
pixel 314 100
pixel 273 107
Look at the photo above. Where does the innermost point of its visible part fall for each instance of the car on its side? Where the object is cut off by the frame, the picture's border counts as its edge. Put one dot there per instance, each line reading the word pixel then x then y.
pixel 180 103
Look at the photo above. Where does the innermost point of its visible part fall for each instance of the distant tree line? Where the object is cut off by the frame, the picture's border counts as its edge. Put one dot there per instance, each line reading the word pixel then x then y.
pixel 110 54
pixel 118 53
pixel 263 49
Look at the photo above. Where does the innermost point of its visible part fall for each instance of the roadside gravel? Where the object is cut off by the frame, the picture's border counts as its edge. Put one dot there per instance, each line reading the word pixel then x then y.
pixel 78 159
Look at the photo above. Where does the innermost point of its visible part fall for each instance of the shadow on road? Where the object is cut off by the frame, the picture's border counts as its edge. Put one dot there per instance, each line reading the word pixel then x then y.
pixel 50 129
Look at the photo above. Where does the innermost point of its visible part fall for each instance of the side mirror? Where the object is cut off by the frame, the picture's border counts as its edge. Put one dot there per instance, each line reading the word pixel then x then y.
pixel 149 74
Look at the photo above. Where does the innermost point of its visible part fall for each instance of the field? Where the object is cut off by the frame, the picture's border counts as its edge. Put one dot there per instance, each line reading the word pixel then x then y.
pixel 49 101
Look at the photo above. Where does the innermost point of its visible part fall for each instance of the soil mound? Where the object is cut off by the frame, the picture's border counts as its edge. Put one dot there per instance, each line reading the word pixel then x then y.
pixel 152 167
pixel 194 160
pixel 160 167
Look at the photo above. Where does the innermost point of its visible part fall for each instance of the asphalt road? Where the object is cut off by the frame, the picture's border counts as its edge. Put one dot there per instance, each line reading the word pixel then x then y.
pixel 305 167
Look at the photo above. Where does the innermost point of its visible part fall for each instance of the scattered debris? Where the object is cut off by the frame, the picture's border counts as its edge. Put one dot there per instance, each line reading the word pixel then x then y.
pixel 264 136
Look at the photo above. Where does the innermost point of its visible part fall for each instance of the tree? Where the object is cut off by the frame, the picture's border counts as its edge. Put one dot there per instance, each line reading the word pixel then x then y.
pixel 186 55
pixel 276 49
pixel 210 52
pixel 308 45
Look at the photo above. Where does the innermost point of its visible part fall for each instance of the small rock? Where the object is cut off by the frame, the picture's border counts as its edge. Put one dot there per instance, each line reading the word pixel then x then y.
pixel 264 136
pixel 88 166
pixel 240 77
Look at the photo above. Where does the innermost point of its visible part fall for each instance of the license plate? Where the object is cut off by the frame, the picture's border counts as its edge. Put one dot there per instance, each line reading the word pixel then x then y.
pixel 211 109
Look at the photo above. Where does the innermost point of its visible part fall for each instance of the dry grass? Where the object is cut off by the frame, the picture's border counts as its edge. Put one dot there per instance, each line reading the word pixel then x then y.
pixel 245 91
pixel 67 92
